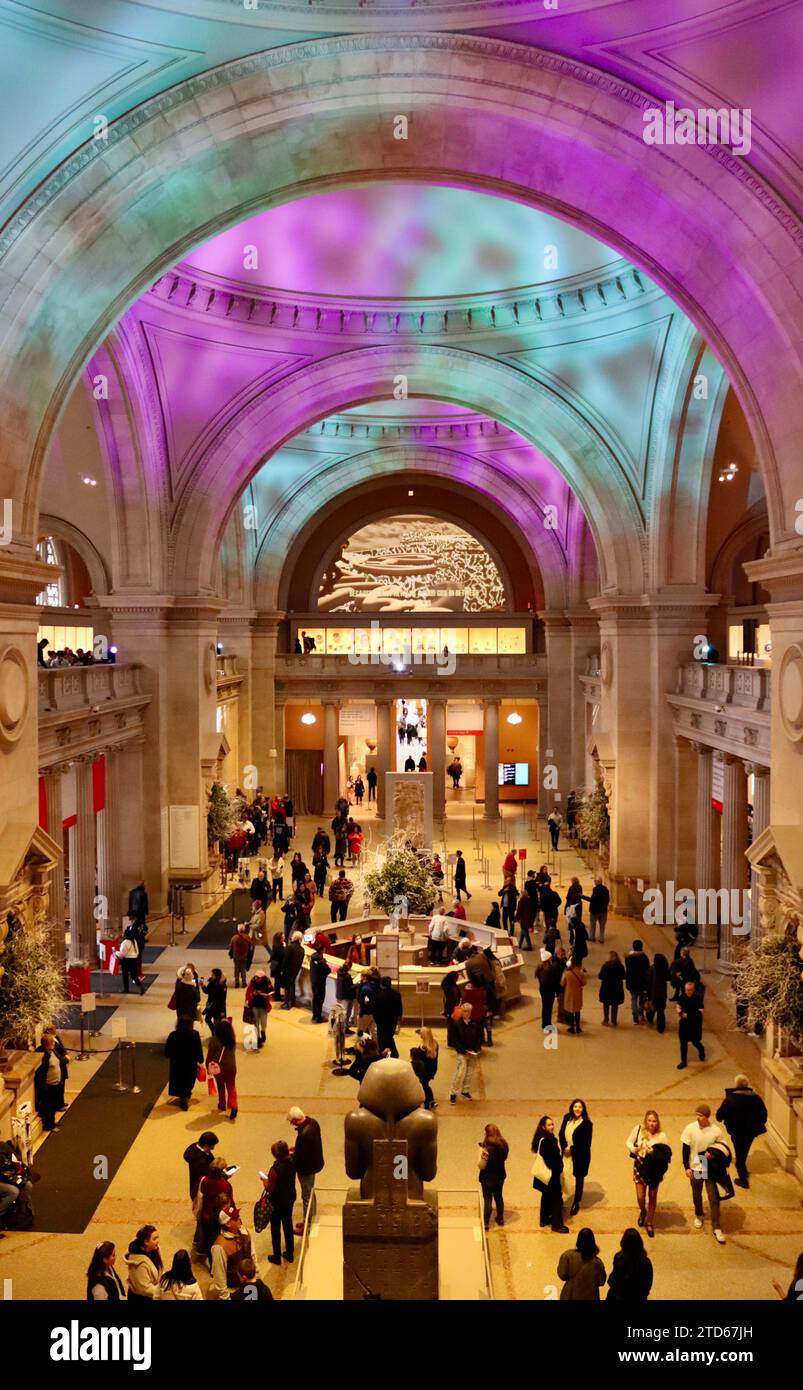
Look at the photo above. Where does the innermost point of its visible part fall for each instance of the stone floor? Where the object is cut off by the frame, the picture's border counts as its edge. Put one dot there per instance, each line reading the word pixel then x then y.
pixel 619 1072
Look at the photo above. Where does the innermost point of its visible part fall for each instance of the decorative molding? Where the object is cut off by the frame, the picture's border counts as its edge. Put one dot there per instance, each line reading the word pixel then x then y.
pixel 301 55
pixel 525 307
pixel 15 692
pixel 606 664
pixel 790 692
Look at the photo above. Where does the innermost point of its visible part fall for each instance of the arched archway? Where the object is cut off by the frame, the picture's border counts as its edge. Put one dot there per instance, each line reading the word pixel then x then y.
pixel 295 545
pixel 494 389
pixel 515 121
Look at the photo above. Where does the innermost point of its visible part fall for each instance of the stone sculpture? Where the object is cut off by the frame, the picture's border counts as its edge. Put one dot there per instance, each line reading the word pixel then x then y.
pixel 390 1228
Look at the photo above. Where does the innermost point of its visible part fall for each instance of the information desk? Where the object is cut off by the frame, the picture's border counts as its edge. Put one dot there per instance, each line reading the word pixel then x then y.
pixel 418 981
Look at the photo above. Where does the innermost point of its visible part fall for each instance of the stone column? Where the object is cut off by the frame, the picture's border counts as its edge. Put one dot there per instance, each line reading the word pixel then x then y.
pixel 83 926
pixel 139 627
pixel 267 714
pixel 686 807
pixel 436 748
pixel 131 840
pixel 385 735
pixel 108 828
pixel 234 631
pixel 584 641
pixel 761 819
pixel 55 819
pixel 734 846
pixel 557 749
pixel 707 872
pixel 331 710
pixel 491 732
pixel 277 755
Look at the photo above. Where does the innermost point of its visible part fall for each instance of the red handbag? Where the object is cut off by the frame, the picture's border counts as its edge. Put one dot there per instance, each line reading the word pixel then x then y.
pixel 171 1003
pixel 200 1074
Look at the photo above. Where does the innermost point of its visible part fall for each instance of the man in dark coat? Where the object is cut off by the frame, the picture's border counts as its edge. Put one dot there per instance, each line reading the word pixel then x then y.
pixel 637 966
pixel 252 1289
pixel 460 877
pixel 185 1053
pixel 306 1153
pixel 690 1022
pixel 319 970
pixel 292 963
pixel 138 903
pixel 744 1116
pixel 549 975
pixel 372 780
pixel 260 889
pixel 388 1009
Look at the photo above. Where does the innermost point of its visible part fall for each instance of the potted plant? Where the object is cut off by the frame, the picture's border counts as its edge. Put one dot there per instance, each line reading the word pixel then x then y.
pixel 769 985
pixel 220 815
pixel 32 985
pixel 398 880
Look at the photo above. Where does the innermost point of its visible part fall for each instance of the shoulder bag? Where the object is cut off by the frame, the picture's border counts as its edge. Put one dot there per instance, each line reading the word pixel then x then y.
pixel 541 1171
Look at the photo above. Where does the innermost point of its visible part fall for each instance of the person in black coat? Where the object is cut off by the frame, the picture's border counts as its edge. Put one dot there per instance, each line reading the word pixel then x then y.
pixel 198 1158
pixel 637 965
pixel 598 903
pixel 545 1143
pixel 388 1010
pixel 138 903
pixel 319 972
pixel 611 989
pixel 292 963
pixel 549 975
pixel 187 995
pixel 460 877
pixel 550 902
pixel 260 889
pixel 280 1185
pixel 683 969
pixel 657 989
pixel 744 1116
pixel 215 990
pixel 630 1279
pixel 277 951
pixel 576 1132
pixel 48 1081
pixel 185 1053
pixel 64 1058
pixel 579 936
pixel 690 1022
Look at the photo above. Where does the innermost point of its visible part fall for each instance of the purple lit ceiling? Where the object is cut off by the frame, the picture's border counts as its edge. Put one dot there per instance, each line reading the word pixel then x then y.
pixel 400 240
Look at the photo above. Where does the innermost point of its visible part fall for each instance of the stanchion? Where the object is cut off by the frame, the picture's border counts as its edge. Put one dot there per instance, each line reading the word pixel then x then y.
pixel 119 1084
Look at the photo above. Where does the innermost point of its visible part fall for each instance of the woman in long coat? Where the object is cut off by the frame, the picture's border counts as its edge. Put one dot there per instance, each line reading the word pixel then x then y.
pixel 612 988
pixel 574 978
pixel 183 1048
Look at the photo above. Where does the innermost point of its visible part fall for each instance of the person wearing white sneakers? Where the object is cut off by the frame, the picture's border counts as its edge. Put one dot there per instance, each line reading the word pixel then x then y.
pixel 695 1139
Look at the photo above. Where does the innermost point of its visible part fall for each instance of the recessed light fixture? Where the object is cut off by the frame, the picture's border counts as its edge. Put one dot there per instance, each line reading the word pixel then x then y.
pixel 89 482
pixel 514 718
pixel 308 718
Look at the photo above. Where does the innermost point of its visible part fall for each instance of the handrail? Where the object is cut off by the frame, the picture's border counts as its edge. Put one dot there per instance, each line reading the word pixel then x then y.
pixel 440 1192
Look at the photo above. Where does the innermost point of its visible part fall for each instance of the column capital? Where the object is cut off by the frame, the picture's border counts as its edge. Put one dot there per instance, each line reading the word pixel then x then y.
pixel 757 770
pixel 266 624
pixel 699 748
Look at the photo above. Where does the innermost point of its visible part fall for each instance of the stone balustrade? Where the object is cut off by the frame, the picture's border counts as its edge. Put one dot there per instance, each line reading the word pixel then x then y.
pixel 75 688
pixel 727 684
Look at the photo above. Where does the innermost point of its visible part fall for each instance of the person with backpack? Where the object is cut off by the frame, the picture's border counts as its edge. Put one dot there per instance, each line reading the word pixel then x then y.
pixel 744 1115
pixel 340 894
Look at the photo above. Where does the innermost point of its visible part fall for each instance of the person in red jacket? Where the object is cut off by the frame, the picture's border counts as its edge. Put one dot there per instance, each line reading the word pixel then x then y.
pixel 511 863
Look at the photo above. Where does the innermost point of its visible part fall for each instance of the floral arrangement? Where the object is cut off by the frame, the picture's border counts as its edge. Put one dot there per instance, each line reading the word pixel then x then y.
pixel 593 818
pixel 399 877
pixel 32 986
pixel 770 984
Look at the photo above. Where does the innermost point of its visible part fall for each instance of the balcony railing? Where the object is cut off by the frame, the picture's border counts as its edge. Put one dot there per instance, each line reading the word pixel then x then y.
pixel 330 667
pixel 747 687
pixel 66 688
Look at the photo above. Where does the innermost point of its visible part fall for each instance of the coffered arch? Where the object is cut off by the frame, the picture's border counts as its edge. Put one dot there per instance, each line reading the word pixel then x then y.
pixel 486 501
pixel 487 114
pixel 322 388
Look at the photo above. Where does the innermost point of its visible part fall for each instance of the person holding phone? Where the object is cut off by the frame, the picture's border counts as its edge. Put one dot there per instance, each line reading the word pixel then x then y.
pixel 280 1185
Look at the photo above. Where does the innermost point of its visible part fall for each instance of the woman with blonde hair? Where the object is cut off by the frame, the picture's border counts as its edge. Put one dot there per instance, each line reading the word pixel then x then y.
pixel 649 1148
pixel 424 1058
pixel 494 1150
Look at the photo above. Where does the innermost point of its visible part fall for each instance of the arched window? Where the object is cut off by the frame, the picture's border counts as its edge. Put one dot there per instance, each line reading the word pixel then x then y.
pixel 52 596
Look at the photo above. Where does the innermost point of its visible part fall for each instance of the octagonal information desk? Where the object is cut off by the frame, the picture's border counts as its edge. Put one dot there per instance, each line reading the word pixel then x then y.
pixel 418 981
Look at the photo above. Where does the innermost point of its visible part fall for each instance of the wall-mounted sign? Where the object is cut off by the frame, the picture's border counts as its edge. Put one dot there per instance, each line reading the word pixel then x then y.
pixel 463 718
pixel 358 719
